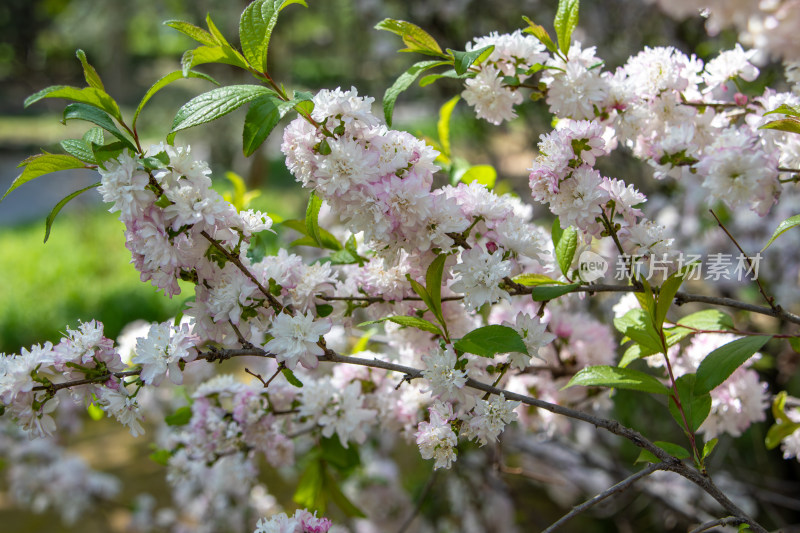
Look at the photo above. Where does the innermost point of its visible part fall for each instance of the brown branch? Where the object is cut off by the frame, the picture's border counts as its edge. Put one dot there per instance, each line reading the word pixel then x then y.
pixel 729 521
pixel 616 489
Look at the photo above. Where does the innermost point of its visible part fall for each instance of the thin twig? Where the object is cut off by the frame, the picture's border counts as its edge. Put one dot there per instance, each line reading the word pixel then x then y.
pixel 616 489
pixel 421 500
pixel 769 299
pixel 729 521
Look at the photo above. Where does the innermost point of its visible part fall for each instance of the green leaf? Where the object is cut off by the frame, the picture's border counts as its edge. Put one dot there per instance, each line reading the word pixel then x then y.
pixel 695 406
pixel 463 60
pixel 433 283
pixel 255 29
pixel 783 227
pixel 195 32
pixel 778 432
pixel 341 458
pixel 262 117
pixel 161 456
pixel 491 340
pixel 94 135
pixel 794 342
pixel 52 216
pixel 89 73
pixel 402 83
pixel 95 413
pixel 673 449
pixel 636 325
pixel 709 446
pixel 722 362
pixel 339 499
pixel 414 37
pixel 791 125
pixel 665 296
pixel 619 378
pixel 108 151
pixel 309 493
pixel 533 280
pixel 291 378
pixel 544 293
pixel 430 78
pixel 42 164
pixel 443 125
pixel 408 321
pixel 87 95
pixel 565 23
pixel 211 54
pixel 166 80
pixel 215 103
pixel 785 109
pixel 181 417
pixel 80 149
pixel 540 33
pixel 637 351
pixel 708 319
pixel 319 236
pixel 421 291
pixel 484 174
pixel 96 116
pixel 565 242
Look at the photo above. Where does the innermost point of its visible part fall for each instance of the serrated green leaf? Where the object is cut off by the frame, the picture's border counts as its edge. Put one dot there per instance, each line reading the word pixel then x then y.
pixel 414 37
pixel 463 60
pixel 107 152
pixel 402 83
pixel 215 104
pixel 785 109
pixel 636 325
pixel 791 125
pixel 491 340
pixel 87 95
pixel 95 116
pixel 94 135
pixel 443 125
pixel 211 54
pixel 80 149
pixel 565 242
pixel 665 296
pixel 540 33
pixel 291 378
pixel 533 280
pixel 195 32
pixel 782 228
pixel 708 319
pixel 673 449
pixel 42 164
pixel 637 351
pixel 433 283
pixel 321 238
pixel 619 378
pixel 255 29
pixel 430 78
pixel 695 406
pixel 163 82
pixel 408 321
pixel 89 73
pixel 486 175
pixel 722 362
pixel 709 446
pixel 262 117
pixel 565 23
pixel 54 212
pixel 180 417
pixel 544 293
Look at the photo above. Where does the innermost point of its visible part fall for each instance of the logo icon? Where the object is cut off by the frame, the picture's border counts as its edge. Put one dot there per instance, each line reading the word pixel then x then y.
pixel 591 266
